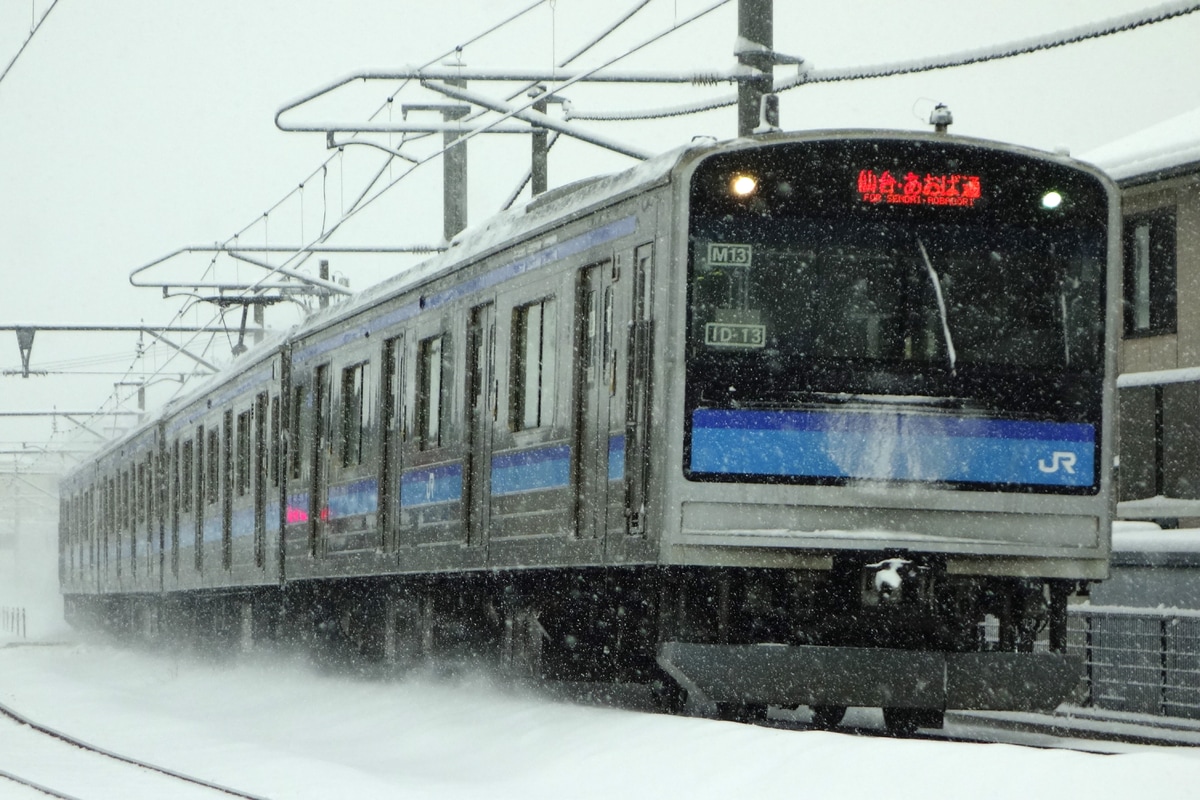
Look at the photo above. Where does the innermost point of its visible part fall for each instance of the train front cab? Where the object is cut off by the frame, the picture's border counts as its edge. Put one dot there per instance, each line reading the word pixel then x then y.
pixel 890 436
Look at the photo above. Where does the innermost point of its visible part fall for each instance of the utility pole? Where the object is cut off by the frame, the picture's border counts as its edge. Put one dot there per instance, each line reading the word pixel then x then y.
pixel 454 171
pixel 539 172
pixel 756 45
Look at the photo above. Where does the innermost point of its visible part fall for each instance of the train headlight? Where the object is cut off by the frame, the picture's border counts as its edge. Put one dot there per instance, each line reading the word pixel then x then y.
pixel 1052 200
pixel 743 185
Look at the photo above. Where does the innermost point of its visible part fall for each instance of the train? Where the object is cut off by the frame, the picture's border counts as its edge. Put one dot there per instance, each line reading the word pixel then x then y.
pixel 817 419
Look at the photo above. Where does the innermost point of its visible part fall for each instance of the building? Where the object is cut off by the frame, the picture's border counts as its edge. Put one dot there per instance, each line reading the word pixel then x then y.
pixel 1158 170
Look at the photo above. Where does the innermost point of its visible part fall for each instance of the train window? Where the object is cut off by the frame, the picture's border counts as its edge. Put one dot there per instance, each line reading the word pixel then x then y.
pixel 1150 295
pixel 150 487
pixel 354 413
pixel 609 357
pixel 429 392
pixel 112 517
pixel 261 450
pixel 128 492
pixel 148 497
pixel 294 448
pixel 212 478
pixel 533 359
pixel 186 477
pixel 227 455
pixel 273 467
pixel 139 502
pixel 151 490
pixel 126 516
pixel 242 461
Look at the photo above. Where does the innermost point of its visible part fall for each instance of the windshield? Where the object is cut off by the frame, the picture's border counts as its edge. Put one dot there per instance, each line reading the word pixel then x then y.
pixel 943 296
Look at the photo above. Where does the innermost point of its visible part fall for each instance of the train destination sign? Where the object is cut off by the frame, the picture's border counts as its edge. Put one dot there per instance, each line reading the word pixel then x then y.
pixel 912 188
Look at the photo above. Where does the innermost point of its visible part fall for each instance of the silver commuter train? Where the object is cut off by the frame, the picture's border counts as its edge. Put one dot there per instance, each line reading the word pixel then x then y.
pixel 810 419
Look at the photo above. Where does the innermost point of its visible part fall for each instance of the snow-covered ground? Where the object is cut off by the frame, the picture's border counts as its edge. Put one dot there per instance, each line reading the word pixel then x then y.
pixel 282 729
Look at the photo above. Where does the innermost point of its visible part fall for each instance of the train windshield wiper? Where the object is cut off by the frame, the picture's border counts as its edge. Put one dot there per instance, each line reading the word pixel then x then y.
pixel 941 302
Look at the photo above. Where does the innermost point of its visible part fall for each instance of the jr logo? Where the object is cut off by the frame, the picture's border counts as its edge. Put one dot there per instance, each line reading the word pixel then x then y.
pixel 1058 460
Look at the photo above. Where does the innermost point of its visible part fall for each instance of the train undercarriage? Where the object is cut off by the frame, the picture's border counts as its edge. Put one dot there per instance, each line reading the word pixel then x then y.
pixel 895 632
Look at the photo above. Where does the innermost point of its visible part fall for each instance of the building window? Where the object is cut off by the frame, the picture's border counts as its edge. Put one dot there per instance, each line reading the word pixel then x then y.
pixel 429 392
pixel 1150 273
pixel 532 398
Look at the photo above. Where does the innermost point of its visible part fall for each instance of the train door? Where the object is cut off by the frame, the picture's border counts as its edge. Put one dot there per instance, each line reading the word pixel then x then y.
pixel 176 518
pixel 319 462
pixel 639 346
pixel 201 490
pixel 259 478
pixel 225 472
pixel 392 447
pixel 594 375
pixel 481 411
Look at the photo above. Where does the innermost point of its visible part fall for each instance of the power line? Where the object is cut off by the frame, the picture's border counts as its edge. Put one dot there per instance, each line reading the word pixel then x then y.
pixel 524 106
pixel 28 39
pixel 1121 24
pixel 325 233
pixel 1022 47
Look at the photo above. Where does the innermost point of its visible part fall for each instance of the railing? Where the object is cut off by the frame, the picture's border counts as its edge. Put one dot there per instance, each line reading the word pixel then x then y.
pixel 12 620
pixel 1140 660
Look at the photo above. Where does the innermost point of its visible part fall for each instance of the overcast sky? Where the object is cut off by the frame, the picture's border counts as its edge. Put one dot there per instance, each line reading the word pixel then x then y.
pixel 131 128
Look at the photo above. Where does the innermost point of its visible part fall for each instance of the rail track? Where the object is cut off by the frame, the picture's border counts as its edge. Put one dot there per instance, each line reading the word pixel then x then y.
pixel 59 765
pixel 1081 730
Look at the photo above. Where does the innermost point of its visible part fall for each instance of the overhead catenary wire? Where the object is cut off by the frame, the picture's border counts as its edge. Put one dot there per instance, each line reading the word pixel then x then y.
pixel 385 105
pixel 366 199
pixel 1069 36
pixel 322 168
pixel 385 165
pixel 528 104
pixel 32 31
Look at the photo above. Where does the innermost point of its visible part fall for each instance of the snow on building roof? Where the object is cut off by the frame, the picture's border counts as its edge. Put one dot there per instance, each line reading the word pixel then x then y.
pixel 1168 148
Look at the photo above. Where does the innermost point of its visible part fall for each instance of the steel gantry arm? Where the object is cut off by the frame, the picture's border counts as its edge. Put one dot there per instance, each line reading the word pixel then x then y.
pixel 25 335
pixel 239 252
pixel 439 78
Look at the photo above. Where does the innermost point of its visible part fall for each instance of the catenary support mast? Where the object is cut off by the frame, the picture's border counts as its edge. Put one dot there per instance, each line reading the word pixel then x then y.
pixel 755 49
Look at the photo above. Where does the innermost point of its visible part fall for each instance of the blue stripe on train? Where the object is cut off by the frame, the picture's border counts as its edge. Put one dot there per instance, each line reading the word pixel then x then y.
pixel 892 446
pixel 531 470
pixel 547 468
pixel 423 487
pixel 616 458
pixel 354 498
pixel 241 523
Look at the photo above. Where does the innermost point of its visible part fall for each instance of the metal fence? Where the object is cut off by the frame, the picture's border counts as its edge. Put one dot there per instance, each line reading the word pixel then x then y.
pixel 12 620
pixel 1138 660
